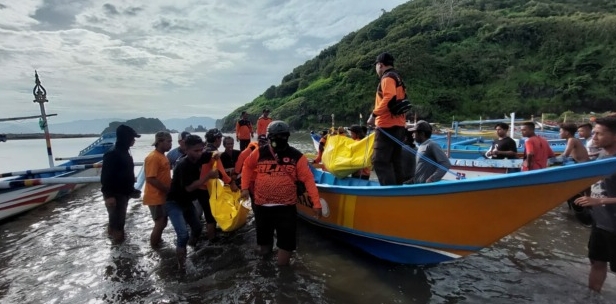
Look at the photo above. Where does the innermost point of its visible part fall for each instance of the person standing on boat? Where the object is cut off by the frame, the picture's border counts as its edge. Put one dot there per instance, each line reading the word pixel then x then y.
pixel 118 181
pixel 575 149
pixel 157 183
pixel 263 122
pixel 505 146
pixel 428 153
pixel 536 149
pixel 386 158
pixel 278 169
pixel 187 178
pixel 174 155
pixel 585 132
pixel 243 131
pixel 602 200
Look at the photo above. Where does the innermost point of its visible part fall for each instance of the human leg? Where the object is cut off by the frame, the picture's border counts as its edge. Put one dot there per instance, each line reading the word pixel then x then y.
pixel 285 220
pixel 160 222
pixel 117 218
pixel 601 250
pixel 191 217
pixel 264 228
pixel 210 226
pixel 244 143
pixel 382 158
pixel 396 156
pixel 176 216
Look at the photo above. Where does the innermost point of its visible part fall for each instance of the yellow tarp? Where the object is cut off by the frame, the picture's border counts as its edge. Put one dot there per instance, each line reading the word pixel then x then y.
pixel 226 207
pixel 343 155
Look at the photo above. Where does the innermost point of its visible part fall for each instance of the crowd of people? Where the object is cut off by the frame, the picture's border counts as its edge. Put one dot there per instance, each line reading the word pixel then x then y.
pixel 268 172
pixel 174 182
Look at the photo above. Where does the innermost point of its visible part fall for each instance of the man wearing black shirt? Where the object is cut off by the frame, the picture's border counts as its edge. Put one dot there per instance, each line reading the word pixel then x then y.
pixel 186 180
pixel 504 147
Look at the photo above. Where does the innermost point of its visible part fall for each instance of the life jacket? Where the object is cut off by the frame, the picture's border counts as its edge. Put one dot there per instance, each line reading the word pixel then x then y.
pixel 396 106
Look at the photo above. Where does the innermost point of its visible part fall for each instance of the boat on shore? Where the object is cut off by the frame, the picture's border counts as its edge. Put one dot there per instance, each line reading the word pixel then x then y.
pixel 25 190
pixel 29 189
pixel 443 221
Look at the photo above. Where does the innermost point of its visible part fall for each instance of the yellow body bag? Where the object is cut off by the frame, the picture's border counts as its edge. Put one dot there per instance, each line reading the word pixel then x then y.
pixel 343 156
pixel 227 209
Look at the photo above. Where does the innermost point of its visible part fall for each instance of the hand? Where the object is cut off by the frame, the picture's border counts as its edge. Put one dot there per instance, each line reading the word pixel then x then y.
pixel 245 194
pixel 371 121
pixel 317 212
pixel 216 155
pixel 110 202
pixel 587 201
pixel 212 174
pixel 233 186
pixel 252 135
pixel 237 138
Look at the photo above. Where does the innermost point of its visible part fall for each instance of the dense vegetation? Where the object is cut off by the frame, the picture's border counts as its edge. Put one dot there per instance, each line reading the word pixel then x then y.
pixel 462 58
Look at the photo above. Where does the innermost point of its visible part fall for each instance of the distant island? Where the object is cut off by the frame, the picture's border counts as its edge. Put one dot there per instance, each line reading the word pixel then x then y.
pixel 141 125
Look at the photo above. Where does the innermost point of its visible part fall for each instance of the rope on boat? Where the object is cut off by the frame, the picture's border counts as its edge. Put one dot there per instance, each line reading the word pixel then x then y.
pixel 458 175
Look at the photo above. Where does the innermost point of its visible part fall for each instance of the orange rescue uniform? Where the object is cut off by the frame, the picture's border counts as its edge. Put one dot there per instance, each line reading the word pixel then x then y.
pixel 262 124
pixel 275 179
pixel 243 129
pixel 387 90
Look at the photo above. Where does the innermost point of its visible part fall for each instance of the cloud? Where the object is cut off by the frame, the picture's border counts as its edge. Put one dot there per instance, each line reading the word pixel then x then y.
pixel 127 58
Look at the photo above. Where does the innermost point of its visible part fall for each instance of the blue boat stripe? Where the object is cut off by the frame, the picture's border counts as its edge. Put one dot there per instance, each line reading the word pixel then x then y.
pixel 394 239
pixel 596 168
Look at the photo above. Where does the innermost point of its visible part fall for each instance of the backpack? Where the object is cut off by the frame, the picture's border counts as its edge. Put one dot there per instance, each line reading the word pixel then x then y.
pixel 397 107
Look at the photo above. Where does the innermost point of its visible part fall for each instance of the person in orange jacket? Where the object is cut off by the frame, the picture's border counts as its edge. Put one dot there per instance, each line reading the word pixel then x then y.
pixel 243 131
pixel 387 156
pixel 242 158
pixel 263 122
pixel 276 169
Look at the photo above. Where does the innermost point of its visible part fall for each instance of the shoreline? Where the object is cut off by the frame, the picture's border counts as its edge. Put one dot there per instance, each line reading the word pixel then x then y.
pixel 19 136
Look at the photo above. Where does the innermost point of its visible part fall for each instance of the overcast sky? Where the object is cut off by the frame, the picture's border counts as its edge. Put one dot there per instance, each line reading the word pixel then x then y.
pixel 164 59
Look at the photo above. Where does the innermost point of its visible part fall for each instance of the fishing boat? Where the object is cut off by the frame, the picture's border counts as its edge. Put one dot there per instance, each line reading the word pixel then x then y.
pixel 439 222
pixel 25 190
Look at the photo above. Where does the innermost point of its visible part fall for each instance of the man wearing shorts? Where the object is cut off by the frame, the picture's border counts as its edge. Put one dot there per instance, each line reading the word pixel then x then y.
pixel 157 182
pixel 602 242
pixel 276 169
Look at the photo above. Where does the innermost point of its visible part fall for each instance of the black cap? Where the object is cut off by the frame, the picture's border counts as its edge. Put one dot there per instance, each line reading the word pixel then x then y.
pixel 385 58
pixel 421 125
pixel 266 110
pixel 183 135
pixel 126 130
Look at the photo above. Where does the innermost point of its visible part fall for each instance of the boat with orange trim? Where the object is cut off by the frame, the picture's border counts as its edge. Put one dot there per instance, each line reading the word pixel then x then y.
pixel 443 221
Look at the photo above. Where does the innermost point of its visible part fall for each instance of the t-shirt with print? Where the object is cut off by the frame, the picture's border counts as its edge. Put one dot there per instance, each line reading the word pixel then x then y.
pixel 505 144
pixel 605 215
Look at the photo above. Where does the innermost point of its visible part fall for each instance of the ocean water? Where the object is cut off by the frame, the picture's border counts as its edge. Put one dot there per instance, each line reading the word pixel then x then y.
pixel 58 253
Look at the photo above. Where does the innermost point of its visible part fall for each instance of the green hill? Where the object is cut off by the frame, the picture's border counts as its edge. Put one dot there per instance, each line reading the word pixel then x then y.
pixel 462 58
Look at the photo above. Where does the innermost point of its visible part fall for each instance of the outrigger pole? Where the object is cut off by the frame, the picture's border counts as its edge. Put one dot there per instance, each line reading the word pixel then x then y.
pixel 24 117
pixel 40 96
